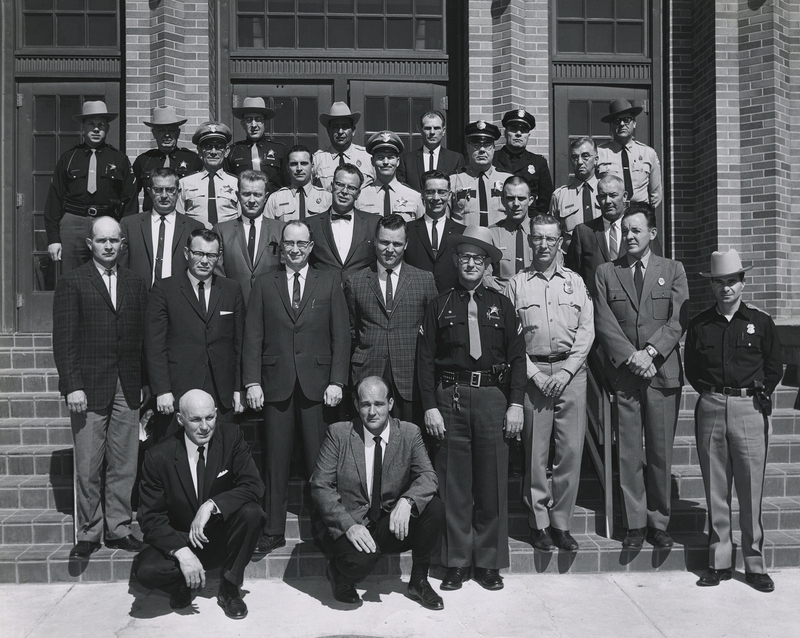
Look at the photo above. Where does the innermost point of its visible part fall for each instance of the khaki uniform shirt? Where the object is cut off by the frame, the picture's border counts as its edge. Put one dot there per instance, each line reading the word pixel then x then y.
pixel 405 200
pixel 644 165
pixel 326 162
pixel 284 204
pixel 193 199
pixel 466 208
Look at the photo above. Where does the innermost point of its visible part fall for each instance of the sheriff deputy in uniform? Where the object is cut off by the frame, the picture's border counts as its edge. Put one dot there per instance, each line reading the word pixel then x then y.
pixel 341 125
pixel 257 152
pixel 386 195
pixel 301 198
pixel 166 129
pixel 733 359
pixel 477 187
pixel 92 179
pixel 577 202
pixel 471 372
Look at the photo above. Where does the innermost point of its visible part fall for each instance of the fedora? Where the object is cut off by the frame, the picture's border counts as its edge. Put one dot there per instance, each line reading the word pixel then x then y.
pixel 339 110
pixel 94 108
pixel 254 105
pixel 620 107
pixel 165 116
pixel 477 236
pixel 724 264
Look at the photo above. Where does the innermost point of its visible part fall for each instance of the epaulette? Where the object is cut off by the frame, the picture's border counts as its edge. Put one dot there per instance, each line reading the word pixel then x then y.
pixel 754 307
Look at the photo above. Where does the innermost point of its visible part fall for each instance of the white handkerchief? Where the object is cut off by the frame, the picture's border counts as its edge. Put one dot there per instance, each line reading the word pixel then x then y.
pixel 223 473
pixel 226 312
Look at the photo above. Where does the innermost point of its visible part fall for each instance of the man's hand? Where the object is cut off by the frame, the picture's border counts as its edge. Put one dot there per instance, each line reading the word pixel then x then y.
pixel 332 396
pixel 434 423
pixel 76 402
pixel 361 539
pixel 145 394
pixel 238 406
pixel 54 250
pixel 255 397
pixel 191 568
pixel 556 384
pixel 515 417
pixel 639 362
pixel 541 380
pixel 399 518
pixel 650 372
pixel 196 535
pixel 165 403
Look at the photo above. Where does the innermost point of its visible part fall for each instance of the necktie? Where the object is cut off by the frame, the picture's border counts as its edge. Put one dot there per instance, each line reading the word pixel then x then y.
pixel 166 161
pixel 387 201
pixel 389 291
pixel 520 257
pixel 588 204
pixel 201 295
pixel 255 158
pixel 91 182
pixel 626 173
pixel 341 159
pixel 296 292
pixel 482 200
pixel 201 471
pixel 430 162
pixel 111 291
pixel 377 471
pixel 613 243
pixel 335 216
pixel 301 202
pixel 435 237
pixel 474 329
pixel 162 230
pixel 212 200
pixel 251 241
pixel 638 279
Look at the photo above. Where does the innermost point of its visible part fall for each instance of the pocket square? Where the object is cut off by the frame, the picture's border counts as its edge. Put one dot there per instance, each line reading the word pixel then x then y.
pixel 225 312
pixel 223 473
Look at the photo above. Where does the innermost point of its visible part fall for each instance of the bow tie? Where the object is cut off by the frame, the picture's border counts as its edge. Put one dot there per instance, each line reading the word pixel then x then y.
pixel 335 216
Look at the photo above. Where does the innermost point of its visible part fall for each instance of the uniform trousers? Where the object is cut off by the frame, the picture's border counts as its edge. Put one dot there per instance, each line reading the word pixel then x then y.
pixel 732 442
pixel 73 231
pixel 472 464
pixel 563 419
pixel 106 451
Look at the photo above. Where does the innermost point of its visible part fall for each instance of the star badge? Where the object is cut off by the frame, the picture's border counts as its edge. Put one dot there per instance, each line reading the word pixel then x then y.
pixel 112 167
pixel 386 136
pixel 401 202
pixel 183 165
pixel 493 312
pixel 271 154
pixel 751 329
pixel 481 125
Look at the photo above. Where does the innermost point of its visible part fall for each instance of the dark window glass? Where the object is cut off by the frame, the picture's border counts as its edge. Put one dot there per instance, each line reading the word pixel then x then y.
pixel 310 142
pixel 102 31
pixel 600 37
pixel 284 114
pixel 44 113
pixel 570 37
pixel 400 33
pixel 38 31
pixel 68 106
pixel 71 31
pixel 374 114
pixel 428 7
pixel 630 10
pixel 251 5
pixel 70 5
pixel 311 32
pixel 419 106
pixel 311 6
pixel 307 115
pixel 599 128
pixel 103 5
pixel 399 113
pixel 600 9
pixel 577 117
pixel 44 152
pixel 370 6
pixel 399 6
pixel 38 5
pixel 281 32
pixel 340 6
pixel 280 6
pixel 630 38
pixel 370 33
pixel 570 8
pixel 341 33
pixel 251 32
pixel 430 35
pixel 601 26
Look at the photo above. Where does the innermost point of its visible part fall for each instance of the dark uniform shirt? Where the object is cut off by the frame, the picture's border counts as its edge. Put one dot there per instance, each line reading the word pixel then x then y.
pixel 443 343
pixel 273 161
pixel 183 161
pixel 735 354
pixel 533 169
pixel 116 186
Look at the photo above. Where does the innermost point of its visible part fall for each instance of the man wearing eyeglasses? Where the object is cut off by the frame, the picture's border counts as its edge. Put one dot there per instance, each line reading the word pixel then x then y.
pixel 577 202
pixel 257 152
pixel 557 319
pixel 636 164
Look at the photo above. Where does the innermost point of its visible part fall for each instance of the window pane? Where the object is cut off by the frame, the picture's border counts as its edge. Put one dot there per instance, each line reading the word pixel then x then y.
pixel 44 153
pixel 374 114
pixel 570 8
pixel 281 32
pixel 398 6
pixel 311 32
pixel 71 31
pixel 370 33
pixel 103 5
pixel 251 32
pixel 33 5
pixel 284 139
pixel 399 108
pixel 284 6
pixel 577 118
pixel 600 38
pixel 340 6
pixel 599 9
pixel 429 35
pixel 599 111
pixel 400 33
pixel 570 37
pixel 419 106
pixel 68 141
pixel 311 6
pixel 428 7
pixel 69 105
pixel 251 5
pixel 307 115
pixel 102 31
pixel 39 31
pixel 629 38
pixel 284 115
pixel 368 6
pixel 341 33
pixel 630 9
pixel 44 113
pixel 309 141
pixel 70 5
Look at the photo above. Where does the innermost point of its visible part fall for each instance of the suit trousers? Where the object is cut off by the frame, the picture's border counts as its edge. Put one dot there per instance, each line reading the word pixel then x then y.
pixel 563 419
pixel 73 231
pixel 654 411
pixel 424 532
pixel 402 408
pixel 732 442
pixel 472 464
pixel 230 545
pixel 106 451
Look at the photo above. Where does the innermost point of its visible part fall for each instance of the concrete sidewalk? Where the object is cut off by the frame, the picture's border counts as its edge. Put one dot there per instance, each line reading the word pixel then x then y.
pixel 544 605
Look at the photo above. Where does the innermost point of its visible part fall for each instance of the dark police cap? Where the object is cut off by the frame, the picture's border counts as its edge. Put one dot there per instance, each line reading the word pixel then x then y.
pixel 212 131
pixel 386 140
pixel 481 128
pixel 519 116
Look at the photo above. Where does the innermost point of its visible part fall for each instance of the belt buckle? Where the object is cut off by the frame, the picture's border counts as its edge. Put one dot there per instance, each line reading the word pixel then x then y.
pixel 91 211
pixel 475 379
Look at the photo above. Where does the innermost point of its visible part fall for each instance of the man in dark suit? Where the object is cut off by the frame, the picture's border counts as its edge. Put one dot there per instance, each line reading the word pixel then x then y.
pixel 428 248
pixel 343 236
pixel 375 490
pixel 154 240
pixel 250 243
pixel 199 508
pixel 386 303
pixel 98 316
pixel 640 315
pixel 296 349
pixel 431 155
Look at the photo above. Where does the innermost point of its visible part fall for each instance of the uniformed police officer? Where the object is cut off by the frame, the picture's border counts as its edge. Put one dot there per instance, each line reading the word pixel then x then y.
pixel 477 188
pixel 515 158
pixel 386 195
pixel 301 198
pixel 341 125
pixel 577 201
pixel 90 180
pixel 166 129
pixel 733 359
pixel 257 152
pixel 557 319
pixel 471 371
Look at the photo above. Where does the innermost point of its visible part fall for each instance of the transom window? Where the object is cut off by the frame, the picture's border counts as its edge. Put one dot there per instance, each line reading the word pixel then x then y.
pixel 70 23
pixel 594 27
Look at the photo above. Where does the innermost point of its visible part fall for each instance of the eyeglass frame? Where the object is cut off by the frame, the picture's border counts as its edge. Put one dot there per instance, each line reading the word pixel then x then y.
pixel 478 260
pixel 346 187
pixel 199 254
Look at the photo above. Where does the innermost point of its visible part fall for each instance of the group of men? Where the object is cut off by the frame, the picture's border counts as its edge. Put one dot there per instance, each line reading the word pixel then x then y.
pixel 453 339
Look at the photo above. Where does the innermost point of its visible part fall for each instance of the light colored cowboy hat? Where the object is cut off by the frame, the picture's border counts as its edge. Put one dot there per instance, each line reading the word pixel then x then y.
pixel 254 105
pixel 339 110
pixel 477 236
pixel 725 264
pixel 165 116
pixel 93 109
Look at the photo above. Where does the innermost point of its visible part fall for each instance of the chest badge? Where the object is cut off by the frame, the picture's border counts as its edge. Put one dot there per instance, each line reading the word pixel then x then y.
pixel 184 165
pixel 661 281
pixel 751 329
pixel 358 162
pixel 568 287
pixel 319 199
pixel 401 202
pixel 271 154
pixel 531 169
pixel 112 167
pixel 493 312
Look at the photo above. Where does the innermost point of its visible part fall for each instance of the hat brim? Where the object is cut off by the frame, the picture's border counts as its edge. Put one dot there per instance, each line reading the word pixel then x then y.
pixel 326 118
pixel 494 253
pixel 175 123
pixel 240 112
pixel 211 136
pixel 109 116
pixel 634 110
pixel 519 120
pixel 712 275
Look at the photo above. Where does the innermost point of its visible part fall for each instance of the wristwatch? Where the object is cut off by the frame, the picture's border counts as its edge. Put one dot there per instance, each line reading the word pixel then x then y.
pixel 651 351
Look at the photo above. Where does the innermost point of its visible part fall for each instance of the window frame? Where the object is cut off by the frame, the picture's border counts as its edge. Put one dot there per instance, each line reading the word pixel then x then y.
pixel 65 51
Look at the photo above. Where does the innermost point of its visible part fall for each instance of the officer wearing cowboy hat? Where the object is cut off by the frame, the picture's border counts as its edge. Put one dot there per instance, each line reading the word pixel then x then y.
pixel 90 180
pixel 341 124
pixel 165 125
pixel 733 359
pixel 514 158
pixel 636 164
pixel 257 152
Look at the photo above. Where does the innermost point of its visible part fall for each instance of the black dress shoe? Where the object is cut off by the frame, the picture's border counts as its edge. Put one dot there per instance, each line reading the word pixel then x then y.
pixel 268 543
pixel 454 578
pixel 659 538
pixel 541 540
pixel 129 543
pixel 423 593
pixel 713 577
pixel 342 591
pixel 488 578
pixel 181 597
pixel 84 549
pixel 760 582
pixel 634 539
pixel 563 540
pixel 230 600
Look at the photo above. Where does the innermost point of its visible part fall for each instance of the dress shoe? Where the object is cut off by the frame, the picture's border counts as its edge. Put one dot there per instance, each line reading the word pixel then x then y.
pixel 181 597
pixel 541 540
pixel 423 593
pixel 454 578
pixel 713 577
pixel 129 543
pixel 84 549
pixel 760 582
pixel 488 578
pixel 634 539
pixel 659 538
pixel 230 600
pixel 342 591
pixel 268 543
pixel 563 540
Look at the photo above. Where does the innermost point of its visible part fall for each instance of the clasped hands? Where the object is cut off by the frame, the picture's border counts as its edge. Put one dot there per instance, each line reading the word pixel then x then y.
pixel 641 364
pixel 255 396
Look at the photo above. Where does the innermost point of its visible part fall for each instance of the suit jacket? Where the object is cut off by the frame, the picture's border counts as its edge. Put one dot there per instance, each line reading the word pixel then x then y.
pixel 624 325
pixel 419 252
pixel 94 344
pixel 378 334
pixel 180 343
pixel 412 166
pixel 281 347
pixel 362 251
pixel 137 251
pixel 168 501
pixel 235 262
pixel 339 483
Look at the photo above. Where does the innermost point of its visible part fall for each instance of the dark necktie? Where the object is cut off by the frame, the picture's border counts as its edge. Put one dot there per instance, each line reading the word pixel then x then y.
pixel 387 201
pixel 377 471
pixel 389 291
pixel 201 472
pixel 520 257
pixel 212 200
pixel 483 200
pixel 341 159
pixel 626 173
pixel 109 274
pixel 588 204
pixel 430 162
pixel 638 279
pixel 162 230
pixel 301 202
pixel 201 295
pixel 296 292
pixel 435 238
pixel 251 241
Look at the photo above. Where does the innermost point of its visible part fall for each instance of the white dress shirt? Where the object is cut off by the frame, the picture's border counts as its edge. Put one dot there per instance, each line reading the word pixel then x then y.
pixel 194 281
pixel 110 282
pixel 169 234
pixel 342 230
pixel 369 453
pixel 192 451
pixel 429 222
pixel 303 272
pixel 395 278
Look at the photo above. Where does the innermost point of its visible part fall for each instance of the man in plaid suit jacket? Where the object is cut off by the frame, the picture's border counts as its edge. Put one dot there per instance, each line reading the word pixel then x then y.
pixel 386 302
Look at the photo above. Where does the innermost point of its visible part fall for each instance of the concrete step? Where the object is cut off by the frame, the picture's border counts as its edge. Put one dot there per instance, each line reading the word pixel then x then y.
pixel 783 448
pixel 22 358
pixel 37 491
pixel 42 431
pixel 28 380
pixel 40 527
pixel 782 479
pixel 25 405
pixel 49 460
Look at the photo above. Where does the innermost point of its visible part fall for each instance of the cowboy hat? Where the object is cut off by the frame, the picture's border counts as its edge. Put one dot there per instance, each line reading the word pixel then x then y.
pixel 477 236
pixel 339 110
pixel 725 264
pixel 620 107
pixel 254 105
pixel 165 116
pixel 95 108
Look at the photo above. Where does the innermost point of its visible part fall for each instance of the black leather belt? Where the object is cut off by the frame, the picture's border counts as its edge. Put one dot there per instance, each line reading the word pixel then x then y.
pixel 549 358
pixel 89 211
pixel 482 379
pixel 733 392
